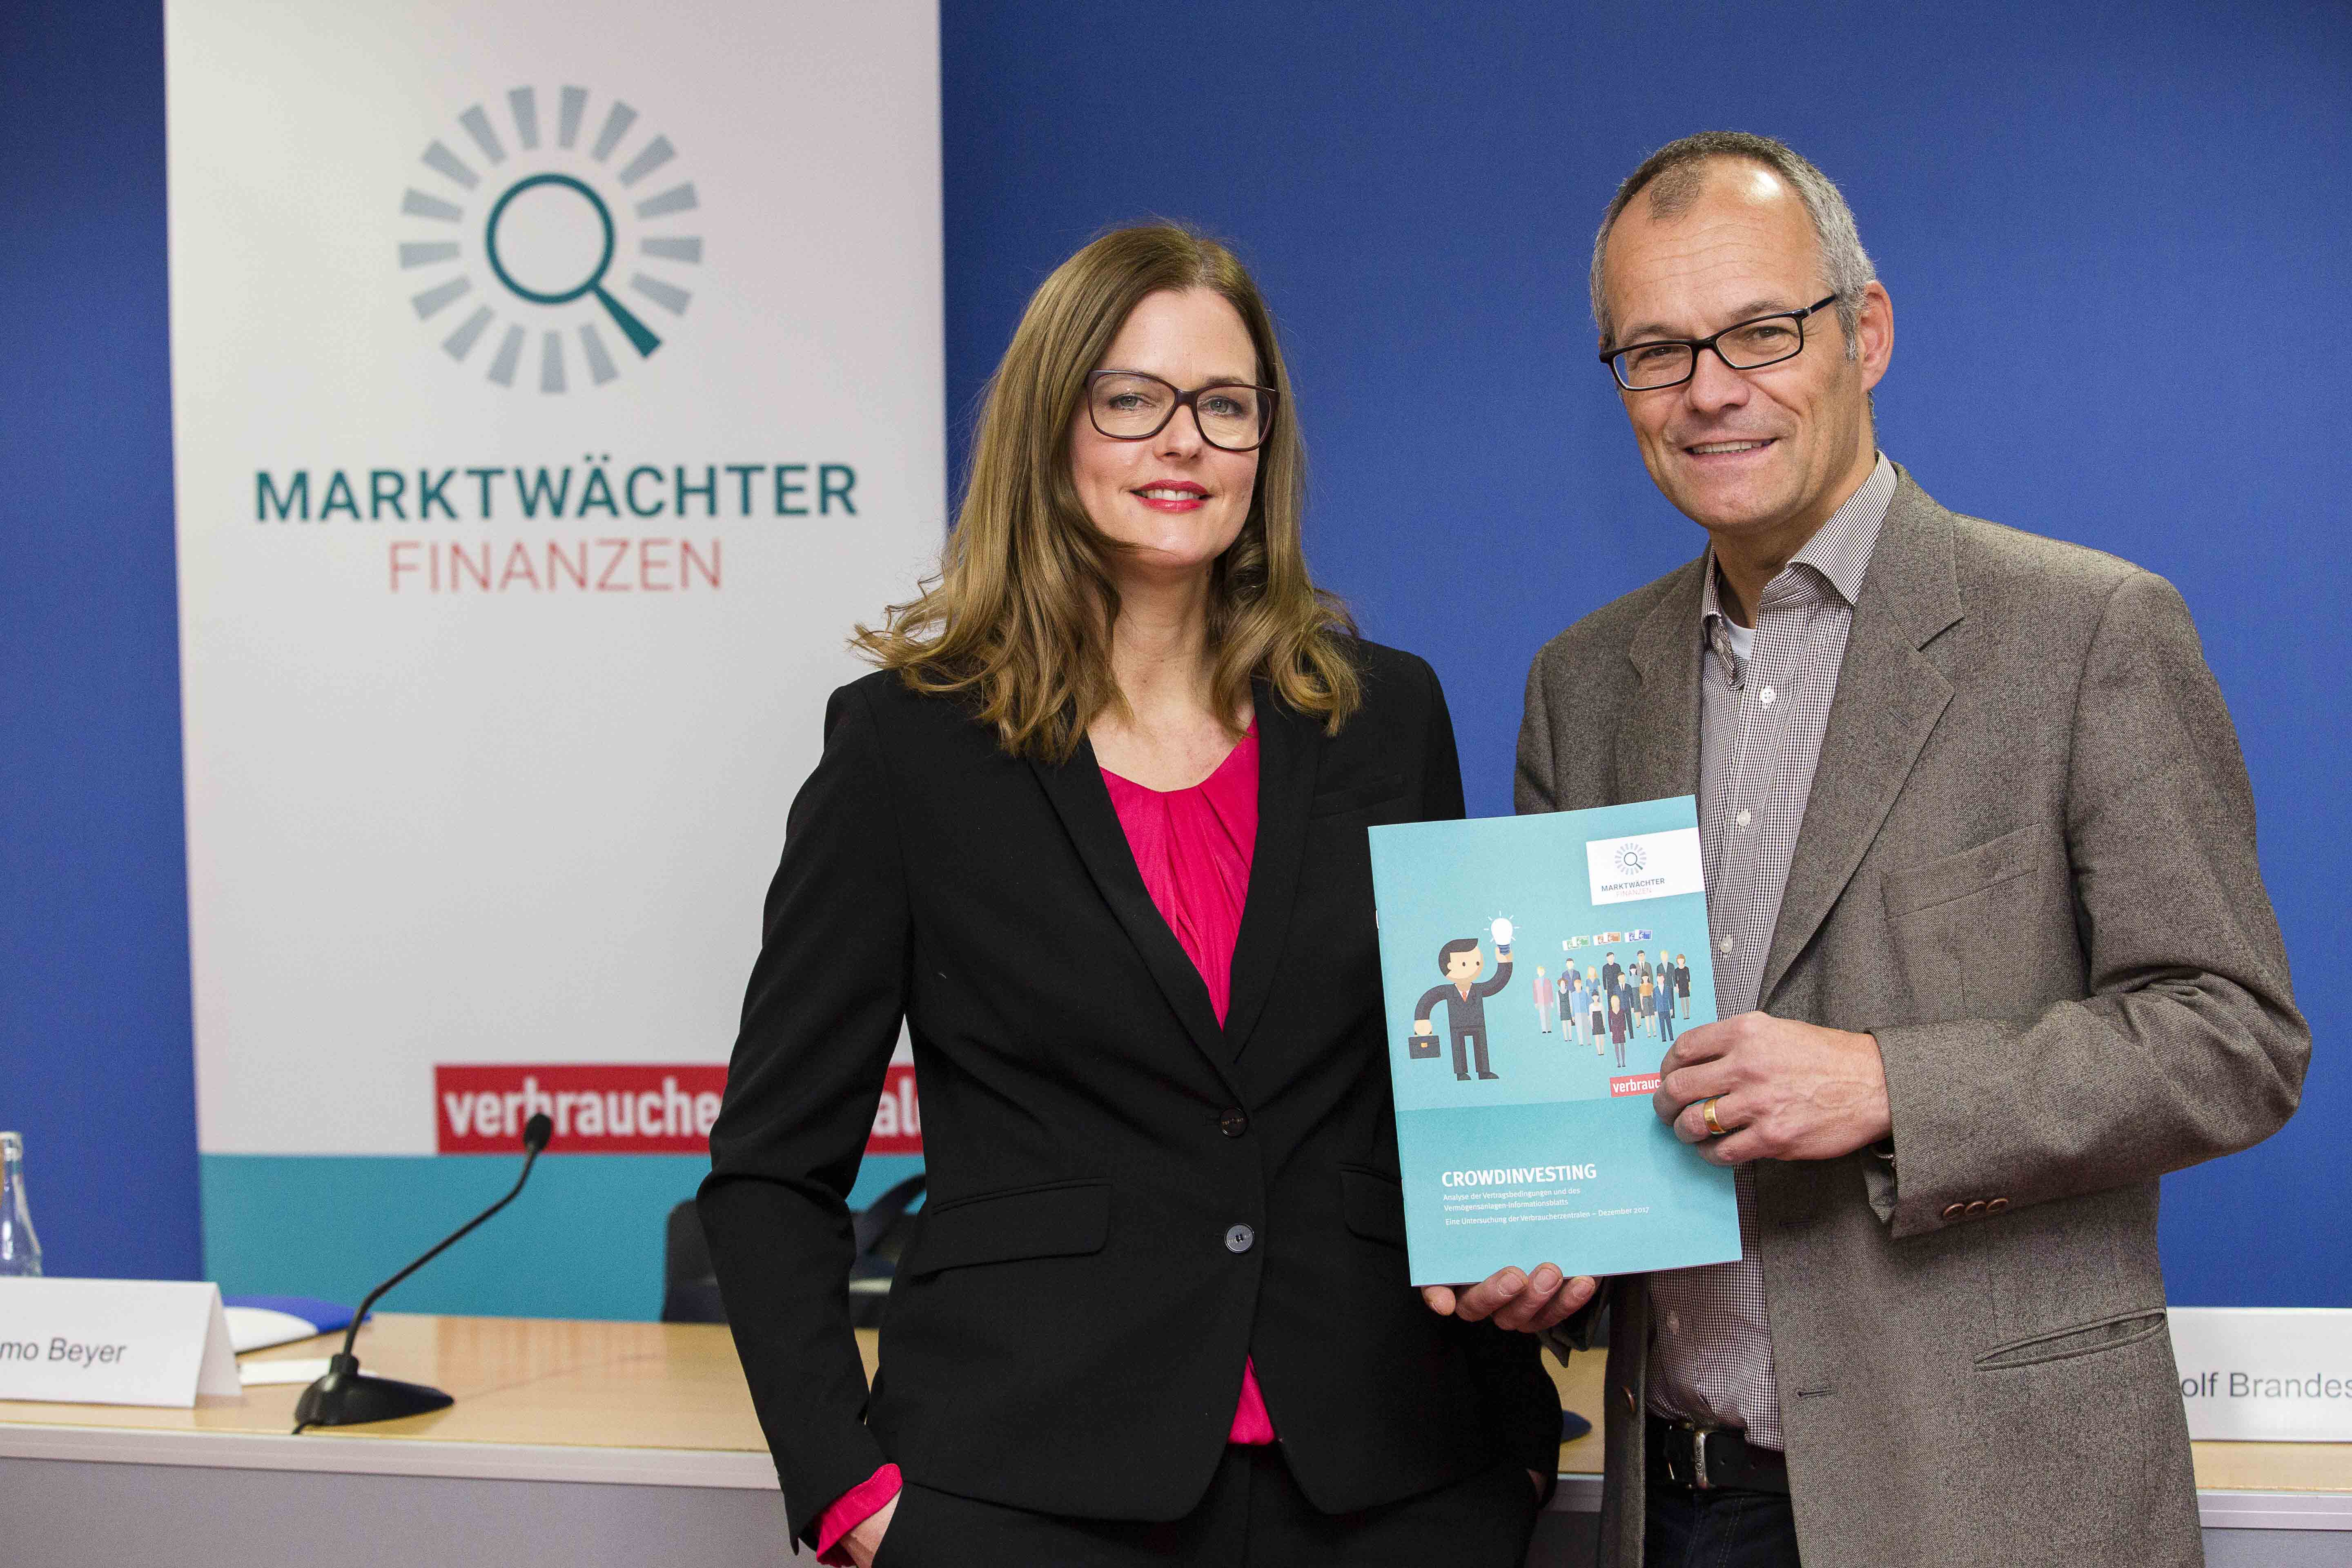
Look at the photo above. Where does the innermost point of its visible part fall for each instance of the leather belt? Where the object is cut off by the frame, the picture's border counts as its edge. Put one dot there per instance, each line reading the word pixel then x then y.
pixel 1706 1458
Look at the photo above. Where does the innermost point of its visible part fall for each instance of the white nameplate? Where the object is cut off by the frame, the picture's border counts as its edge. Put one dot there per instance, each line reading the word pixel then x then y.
pixel 113 1341
pixel 2265 1375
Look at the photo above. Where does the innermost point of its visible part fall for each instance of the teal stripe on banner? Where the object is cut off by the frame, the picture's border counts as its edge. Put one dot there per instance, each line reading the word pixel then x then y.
pixel 584 1241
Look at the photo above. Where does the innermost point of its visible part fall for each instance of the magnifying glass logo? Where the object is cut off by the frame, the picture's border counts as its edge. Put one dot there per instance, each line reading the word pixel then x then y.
pixel 636 330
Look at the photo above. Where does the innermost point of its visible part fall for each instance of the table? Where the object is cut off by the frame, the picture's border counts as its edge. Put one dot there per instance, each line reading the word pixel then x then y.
pixel 570 1443
pixel 635 1443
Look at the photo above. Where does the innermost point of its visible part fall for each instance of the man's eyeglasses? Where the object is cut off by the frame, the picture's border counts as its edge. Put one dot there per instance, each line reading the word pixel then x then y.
pixel 1128 405
pixel 1744 345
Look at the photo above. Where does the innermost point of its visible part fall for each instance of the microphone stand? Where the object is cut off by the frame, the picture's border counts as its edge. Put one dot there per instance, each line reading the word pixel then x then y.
pixel 346 1396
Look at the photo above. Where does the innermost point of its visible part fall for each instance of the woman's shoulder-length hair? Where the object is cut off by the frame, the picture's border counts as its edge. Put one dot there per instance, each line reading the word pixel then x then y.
pixel 1017 623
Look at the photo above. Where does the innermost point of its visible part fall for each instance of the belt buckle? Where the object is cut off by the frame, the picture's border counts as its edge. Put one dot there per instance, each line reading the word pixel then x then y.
pixel 1690 1472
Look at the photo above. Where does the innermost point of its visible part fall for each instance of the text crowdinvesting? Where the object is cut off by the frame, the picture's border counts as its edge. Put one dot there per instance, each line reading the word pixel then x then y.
pixel 1519 1176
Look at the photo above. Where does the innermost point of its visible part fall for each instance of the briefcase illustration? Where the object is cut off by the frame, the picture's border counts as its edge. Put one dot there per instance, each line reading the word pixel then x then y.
pixel 1419 1047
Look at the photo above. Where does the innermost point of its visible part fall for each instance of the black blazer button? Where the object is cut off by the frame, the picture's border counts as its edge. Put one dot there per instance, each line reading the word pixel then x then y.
pixel 1233 1122
pixel 1241 1238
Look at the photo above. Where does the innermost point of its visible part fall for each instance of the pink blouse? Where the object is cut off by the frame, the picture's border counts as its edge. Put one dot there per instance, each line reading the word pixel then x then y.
pixel 1194 847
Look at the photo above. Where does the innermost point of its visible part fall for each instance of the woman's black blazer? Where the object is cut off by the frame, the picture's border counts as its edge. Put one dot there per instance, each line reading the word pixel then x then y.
pixel 1125 1198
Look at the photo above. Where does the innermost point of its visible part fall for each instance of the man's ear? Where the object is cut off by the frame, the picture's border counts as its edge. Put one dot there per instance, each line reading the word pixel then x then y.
pixel 1874 334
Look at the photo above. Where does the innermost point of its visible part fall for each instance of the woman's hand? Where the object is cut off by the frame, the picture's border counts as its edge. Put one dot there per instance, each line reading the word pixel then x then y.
pixel 864 1541
pixel 1525 1303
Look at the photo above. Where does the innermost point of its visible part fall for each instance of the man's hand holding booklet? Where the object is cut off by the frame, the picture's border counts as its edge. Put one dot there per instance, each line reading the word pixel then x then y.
pixel 1537 971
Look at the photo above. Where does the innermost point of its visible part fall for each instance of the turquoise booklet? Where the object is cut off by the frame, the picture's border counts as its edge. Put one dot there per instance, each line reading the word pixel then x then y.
pixel 1536 970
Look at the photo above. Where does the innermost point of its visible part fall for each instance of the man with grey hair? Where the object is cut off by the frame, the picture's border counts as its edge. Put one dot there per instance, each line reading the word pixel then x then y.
pixel 1992 951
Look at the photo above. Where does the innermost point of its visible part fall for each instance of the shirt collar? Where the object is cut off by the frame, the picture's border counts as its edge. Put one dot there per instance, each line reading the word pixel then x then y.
pixel 1839 552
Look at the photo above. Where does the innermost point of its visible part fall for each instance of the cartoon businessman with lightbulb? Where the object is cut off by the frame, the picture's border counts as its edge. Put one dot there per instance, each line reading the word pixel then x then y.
pixel 1465 998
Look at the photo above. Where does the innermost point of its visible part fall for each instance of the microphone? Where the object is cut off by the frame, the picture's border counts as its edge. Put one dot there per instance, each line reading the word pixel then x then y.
pixel 346 1396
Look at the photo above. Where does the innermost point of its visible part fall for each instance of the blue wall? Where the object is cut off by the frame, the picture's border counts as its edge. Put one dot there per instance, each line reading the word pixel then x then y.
pixel 2093 222
pixel 96 1065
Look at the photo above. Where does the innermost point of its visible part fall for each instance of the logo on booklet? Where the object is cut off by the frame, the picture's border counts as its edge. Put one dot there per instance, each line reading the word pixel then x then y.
pixel 1659 864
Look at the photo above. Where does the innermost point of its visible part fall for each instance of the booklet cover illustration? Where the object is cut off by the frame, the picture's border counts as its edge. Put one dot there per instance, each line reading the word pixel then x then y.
pixel 1536 970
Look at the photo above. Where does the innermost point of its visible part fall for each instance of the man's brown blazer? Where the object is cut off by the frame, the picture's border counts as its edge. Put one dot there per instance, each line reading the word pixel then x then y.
pixel 2028 867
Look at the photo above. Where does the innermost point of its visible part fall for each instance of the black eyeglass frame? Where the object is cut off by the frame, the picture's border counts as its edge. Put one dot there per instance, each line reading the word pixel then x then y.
pixel 1187 400
pixel 1698 346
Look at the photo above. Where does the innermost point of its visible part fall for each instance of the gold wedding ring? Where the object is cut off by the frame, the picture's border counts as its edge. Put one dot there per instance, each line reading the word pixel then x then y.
pixel 1714 1128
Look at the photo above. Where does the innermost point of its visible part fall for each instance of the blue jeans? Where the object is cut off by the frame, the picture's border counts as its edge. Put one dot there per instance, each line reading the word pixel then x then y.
pixel 1718 1529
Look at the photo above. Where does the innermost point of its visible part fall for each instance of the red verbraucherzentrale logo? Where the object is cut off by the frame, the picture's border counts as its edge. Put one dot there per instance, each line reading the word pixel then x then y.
pixel 1639 1083
pixel 899 1120
pixel 619 1108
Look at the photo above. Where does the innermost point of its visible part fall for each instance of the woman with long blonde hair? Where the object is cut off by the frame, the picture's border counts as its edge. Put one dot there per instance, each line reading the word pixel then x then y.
pixel 1094 832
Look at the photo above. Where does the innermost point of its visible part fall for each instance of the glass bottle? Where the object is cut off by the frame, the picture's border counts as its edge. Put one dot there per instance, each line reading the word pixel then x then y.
pixel 20 1249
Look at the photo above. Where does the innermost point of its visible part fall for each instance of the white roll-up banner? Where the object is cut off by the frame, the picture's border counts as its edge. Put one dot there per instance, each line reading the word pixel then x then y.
pixel 553 388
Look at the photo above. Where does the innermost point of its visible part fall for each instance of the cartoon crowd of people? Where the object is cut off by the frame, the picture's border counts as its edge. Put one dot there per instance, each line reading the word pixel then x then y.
pixel 1614 1002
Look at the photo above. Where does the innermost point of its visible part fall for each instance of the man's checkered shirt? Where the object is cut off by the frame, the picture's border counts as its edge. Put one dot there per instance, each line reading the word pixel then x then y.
pixel 1761 726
